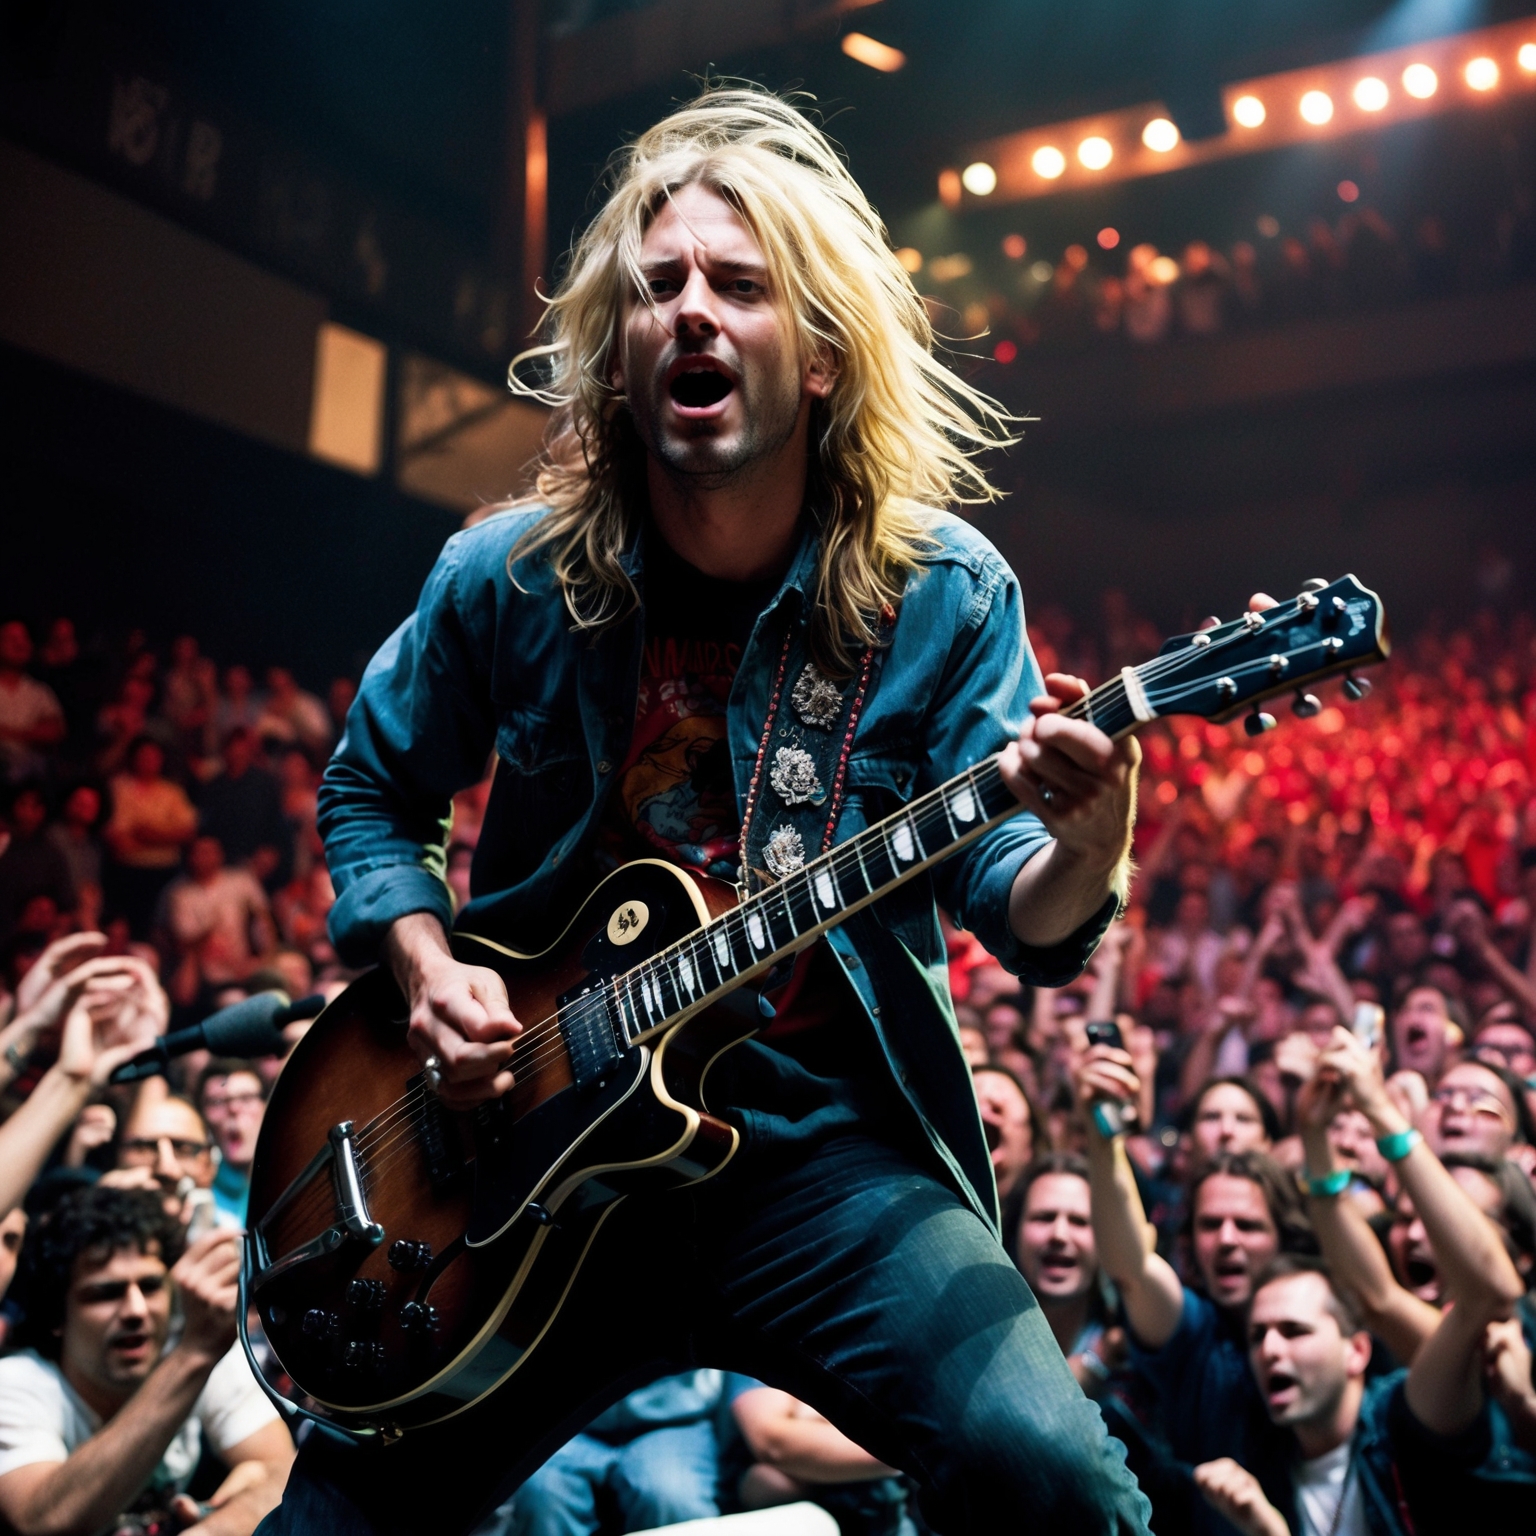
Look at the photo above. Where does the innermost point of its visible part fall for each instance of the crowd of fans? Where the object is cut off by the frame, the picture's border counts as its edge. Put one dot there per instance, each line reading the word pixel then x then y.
pixel 1267 1165
pixel 1114 291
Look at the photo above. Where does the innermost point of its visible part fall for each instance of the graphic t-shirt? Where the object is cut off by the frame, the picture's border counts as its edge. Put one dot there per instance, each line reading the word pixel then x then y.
pixel 675 795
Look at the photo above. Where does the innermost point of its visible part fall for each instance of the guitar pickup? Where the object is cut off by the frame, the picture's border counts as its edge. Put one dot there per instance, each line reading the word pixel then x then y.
pixel 592 1039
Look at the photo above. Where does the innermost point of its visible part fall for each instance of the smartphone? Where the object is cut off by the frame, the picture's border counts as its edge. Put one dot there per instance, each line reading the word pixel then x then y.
pixel 1108 1118
pixel 1367 1024
pixel 1105 1032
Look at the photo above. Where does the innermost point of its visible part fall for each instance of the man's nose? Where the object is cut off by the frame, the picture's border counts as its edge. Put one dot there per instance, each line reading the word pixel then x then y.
pixel 1230 1236
pixel 166 1164
pixel 696 313
pixel 134 1303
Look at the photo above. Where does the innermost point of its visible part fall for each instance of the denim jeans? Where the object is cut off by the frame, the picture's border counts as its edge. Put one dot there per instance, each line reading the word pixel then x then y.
pixel 851 1275
pixel 657 1478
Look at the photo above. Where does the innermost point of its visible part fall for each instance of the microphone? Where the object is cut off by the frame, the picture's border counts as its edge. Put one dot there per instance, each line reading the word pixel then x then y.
pixel 251 1027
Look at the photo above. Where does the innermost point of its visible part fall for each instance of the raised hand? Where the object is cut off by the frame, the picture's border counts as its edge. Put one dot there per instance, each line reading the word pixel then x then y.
pixel 207 1279
pixel 1234 1491
pixel 56 962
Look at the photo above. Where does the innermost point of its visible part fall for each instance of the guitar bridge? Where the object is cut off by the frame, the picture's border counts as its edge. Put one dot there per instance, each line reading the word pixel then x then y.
pixel 352 1223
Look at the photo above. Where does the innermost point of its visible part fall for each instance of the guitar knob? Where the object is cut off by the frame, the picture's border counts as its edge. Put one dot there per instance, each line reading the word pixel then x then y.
pixel 1314 584
pixel 418 1317
pixel 1355 688
pixel 1258 722
pixel 406 1255
pixel 319 1324
pixel 1305 705
pixel 363 1355
pixel 366 1295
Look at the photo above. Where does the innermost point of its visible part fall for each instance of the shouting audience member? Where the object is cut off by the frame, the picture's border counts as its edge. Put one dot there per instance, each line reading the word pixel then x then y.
pixel 1230 1115
pixel 1479 1108
pixel 102 1426
pixel 1425 1034
pixel 1385 1458
pixel 1187 1344
pixel 1008 1119
pixel 233 1097
pixel 1048 1227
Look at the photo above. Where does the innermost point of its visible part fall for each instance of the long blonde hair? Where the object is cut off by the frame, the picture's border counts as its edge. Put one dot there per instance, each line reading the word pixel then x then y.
pixel 898 432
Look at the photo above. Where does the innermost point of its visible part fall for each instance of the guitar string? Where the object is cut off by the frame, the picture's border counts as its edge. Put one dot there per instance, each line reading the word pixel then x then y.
pixel 538 1045
pixel 931 809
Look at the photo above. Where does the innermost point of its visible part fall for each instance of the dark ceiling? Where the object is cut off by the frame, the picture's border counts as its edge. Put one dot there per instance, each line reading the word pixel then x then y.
pixel 408 97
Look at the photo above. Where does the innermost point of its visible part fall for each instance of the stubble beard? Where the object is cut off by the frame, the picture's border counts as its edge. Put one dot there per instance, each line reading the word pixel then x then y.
pixel 705 461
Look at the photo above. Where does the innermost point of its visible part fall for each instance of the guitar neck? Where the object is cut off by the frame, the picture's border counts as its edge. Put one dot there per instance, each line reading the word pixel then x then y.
pixel 751 938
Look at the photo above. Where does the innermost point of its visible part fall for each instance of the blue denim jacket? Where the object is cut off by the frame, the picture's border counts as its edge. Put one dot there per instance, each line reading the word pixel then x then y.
pixel 488 663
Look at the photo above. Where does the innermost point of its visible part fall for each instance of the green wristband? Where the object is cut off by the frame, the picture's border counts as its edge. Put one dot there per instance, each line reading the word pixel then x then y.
pixel 1330 1184
pixel 1398 1145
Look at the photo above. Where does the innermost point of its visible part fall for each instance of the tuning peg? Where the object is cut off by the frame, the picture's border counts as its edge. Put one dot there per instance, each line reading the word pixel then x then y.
pixel 1258 722
pixel 1313 584
pixel 1305 705
pixel 1355 688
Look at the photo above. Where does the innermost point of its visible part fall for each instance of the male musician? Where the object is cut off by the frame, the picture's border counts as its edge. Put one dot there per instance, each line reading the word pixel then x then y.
pixel 733 533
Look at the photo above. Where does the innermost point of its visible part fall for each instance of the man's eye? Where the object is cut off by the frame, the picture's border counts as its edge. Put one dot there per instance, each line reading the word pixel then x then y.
pixel 744 285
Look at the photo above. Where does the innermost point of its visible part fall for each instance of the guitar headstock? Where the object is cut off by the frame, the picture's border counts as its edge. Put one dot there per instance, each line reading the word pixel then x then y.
pixel 1327 629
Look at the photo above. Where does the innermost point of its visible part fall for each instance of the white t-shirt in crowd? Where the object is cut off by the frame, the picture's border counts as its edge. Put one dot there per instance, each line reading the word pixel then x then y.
pixel 217 918
pixel 1328 1501
pixel 42 1418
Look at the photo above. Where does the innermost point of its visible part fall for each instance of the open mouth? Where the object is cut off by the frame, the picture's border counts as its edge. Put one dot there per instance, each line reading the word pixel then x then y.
pixel 1279 1388
pixel 993 1133
pixel 698 384
pixel 1421 1273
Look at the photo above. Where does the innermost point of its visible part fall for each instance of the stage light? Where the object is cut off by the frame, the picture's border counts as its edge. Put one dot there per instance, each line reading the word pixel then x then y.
pixel 1248 111
pixel 1481 74
pixel 979 179
pixel 1005 352
pixel 1526 58
pixel 1042 271
pixel 911 259
pixel 866 50
pixel 1160 136
pixel 1420 81
pixel 1163 269
pixel 1371 94
pixel 949 188
pixel 1014 247
pixel 1348 192
pixel 1095 153
pixel 1316 108
pixel 1108 239
pixel 1267 225
pixel 1048 161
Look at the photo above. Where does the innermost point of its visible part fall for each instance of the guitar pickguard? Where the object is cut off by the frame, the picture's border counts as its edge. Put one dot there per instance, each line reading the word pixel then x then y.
pixel 515 1161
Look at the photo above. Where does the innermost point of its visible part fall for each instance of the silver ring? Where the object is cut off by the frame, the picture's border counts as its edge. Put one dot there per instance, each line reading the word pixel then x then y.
pixel 1047 794
pixel 433 1068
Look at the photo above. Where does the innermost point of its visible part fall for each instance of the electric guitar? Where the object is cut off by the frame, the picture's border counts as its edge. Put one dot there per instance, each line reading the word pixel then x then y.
pixel 402 1259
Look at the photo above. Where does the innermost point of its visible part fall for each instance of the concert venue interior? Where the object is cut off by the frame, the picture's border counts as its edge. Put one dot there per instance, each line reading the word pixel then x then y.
pixel 1256 284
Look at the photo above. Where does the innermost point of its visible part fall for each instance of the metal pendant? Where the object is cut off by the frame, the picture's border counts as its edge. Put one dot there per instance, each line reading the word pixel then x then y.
pixel 784 852
pixel 793 777
pixel 817 700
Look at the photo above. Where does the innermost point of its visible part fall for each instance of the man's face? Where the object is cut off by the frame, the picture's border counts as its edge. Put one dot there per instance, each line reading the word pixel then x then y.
pixel 1471 1110
pixel 15 645
pixel 1413 1261
pixel 116 1317
pixel 1419 1033
pixel 12 1230
pixel 1301 1358
pixel 28 813
pixel 205 858
pixel 1235 1237
pixel 1228 1121
pixel 1407 943
pixel 1005 1120
pixel 1511 1045
pixel 234 1108
pixel 1055 1238
pixel 147 760
pixel 710 366
pixel 168 1138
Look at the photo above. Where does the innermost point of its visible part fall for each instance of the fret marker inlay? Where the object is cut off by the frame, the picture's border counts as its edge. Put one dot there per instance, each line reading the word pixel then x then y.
pixel 964 805
pixel 825 889
pixel 755 931
pixel 901 838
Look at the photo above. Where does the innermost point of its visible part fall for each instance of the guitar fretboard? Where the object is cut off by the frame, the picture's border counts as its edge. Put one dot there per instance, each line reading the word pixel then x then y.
pixel 751 938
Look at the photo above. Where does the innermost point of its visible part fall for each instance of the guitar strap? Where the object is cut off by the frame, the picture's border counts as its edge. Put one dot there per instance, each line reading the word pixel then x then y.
pixel 801 774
